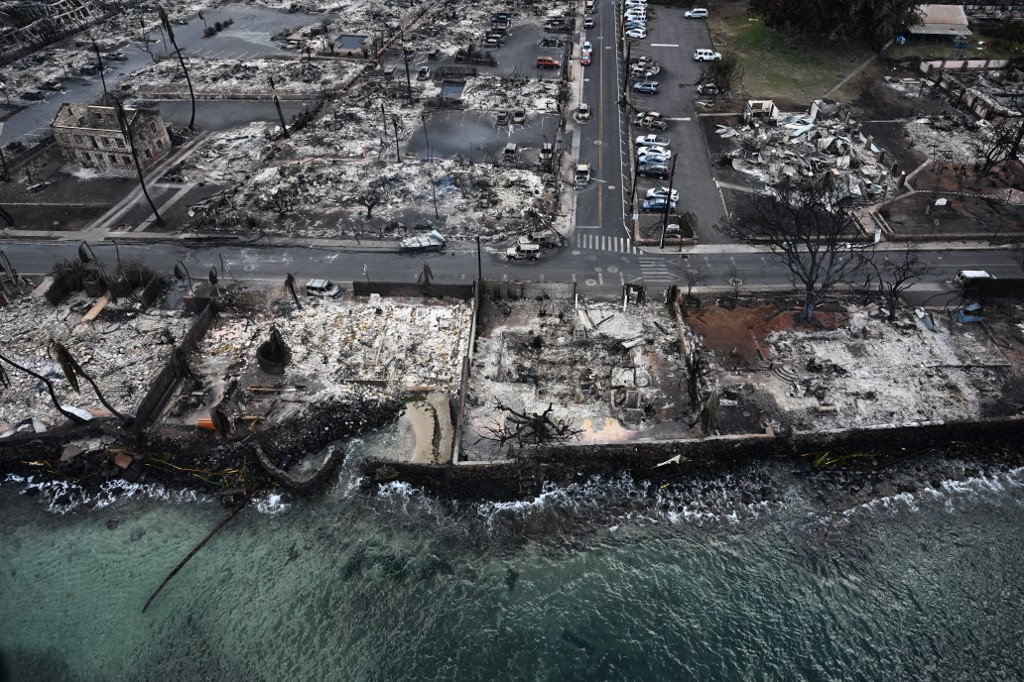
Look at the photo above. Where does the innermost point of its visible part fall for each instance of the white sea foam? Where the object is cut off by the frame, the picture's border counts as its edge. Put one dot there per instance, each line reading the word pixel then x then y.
pixel 272 504
pixel 64 497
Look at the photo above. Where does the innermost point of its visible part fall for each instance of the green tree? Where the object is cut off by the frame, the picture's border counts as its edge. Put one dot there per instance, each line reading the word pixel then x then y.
pixel 874 21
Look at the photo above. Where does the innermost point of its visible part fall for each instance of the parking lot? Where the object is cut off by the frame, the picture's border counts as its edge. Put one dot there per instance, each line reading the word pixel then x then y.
pixel 474 135
pixel 671 40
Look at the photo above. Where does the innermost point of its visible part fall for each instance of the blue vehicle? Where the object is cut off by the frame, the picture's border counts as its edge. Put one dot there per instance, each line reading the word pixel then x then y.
pixel 646 87
pixel 634 24
pixel 657 205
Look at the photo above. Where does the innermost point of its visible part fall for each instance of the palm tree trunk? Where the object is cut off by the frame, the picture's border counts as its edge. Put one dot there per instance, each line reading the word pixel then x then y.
pixel 49 387
pixel 103 400
pixel 142 181
pixel 188 80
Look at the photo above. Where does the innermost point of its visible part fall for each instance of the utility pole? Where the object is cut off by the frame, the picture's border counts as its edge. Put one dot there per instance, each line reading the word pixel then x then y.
pixel 408 78
pixel 479 261
pixel 625 75
pixel 277 103
pixel 384 119
pixel 632 191
pixel 423 117
pixel 668 201
pixel 398 152
pixel 99 60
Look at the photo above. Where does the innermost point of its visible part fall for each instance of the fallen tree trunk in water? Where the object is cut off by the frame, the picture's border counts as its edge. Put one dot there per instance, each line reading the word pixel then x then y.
pixel 223 522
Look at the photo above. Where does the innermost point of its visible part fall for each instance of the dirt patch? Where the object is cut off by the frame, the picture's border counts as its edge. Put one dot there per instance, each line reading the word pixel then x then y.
pixel 737 334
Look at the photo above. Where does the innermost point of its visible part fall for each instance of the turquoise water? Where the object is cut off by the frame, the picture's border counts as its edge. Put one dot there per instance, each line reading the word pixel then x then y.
pixel 591 582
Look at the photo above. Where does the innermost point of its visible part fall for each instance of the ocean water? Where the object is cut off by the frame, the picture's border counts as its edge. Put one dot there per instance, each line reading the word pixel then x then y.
pixel 605 580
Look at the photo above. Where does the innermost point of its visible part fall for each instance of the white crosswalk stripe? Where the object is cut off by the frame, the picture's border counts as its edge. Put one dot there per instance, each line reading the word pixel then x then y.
pixel 655 271
pixel 600 242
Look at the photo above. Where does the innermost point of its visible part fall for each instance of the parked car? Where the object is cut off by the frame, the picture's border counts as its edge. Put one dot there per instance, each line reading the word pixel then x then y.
pixel 501 118
pixel 587 47
pixel 585 59
pixel 707 89
pixel 652 123
pixel 583 112
pixel 32 95
pixel 654 159
pixel 648 148
pixel 588 22
pixel 646 152
pixel 702 55
pixel 653 140
pixel 423 74
pixel 654 170
pixel 644 72
pixel 635 25
pixel 696 13
pixel 519 116
pixel 523 251
pixel 547 63
pixel 657 205
pixel 635 14
pixel 646 87
pixel 661 193
pixel 322 287
pixel 582 174
pixel 635 3
pixel 636 33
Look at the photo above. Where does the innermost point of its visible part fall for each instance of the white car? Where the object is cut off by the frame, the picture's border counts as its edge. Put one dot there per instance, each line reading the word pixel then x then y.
pixel 587 47
pixel 649 140
pixel 661 193
pixel 645 152
pixel 696 13
pixel 704 55
pixel 636 3
pixel 635 15
pixel 636 33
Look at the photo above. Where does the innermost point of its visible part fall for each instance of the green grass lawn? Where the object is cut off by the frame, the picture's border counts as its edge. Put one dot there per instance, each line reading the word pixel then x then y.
pixel 781 65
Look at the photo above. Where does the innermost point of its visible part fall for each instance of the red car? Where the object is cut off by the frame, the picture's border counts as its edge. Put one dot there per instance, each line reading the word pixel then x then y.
pixel 585 59
pixel 547 63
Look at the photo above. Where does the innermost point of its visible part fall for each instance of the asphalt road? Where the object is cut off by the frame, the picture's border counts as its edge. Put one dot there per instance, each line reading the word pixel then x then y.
pixel 599 205
pixel 596 272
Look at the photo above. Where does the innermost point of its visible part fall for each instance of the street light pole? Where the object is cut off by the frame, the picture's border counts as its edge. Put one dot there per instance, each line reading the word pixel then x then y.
pixel 668 201
pixel 426 136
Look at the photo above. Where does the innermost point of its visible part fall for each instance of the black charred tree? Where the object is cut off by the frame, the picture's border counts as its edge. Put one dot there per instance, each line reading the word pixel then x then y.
pixel 808 228
pixel 520 428
pixel 129 136
pixel 72 370
pixel 5 382
pixel 894 273
pixel 181 60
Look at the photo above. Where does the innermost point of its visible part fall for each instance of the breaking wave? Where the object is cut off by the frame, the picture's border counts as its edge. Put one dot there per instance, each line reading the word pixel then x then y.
pixel 64 497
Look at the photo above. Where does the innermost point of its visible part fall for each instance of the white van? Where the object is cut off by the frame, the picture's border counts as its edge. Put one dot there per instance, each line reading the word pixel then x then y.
pixel 965 277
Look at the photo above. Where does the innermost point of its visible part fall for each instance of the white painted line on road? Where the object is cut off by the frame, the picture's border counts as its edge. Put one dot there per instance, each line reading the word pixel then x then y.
pixel 687 118
pixel 664 44
pixel 588 227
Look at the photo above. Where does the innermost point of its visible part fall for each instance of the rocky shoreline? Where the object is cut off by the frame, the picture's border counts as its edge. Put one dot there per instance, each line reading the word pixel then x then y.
pixel 298 457
pixel 97 454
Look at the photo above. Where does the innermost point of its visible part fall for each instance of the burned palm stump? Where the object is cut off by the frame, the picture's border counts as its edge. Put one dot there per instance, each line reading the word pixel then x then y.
pixel 273 355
